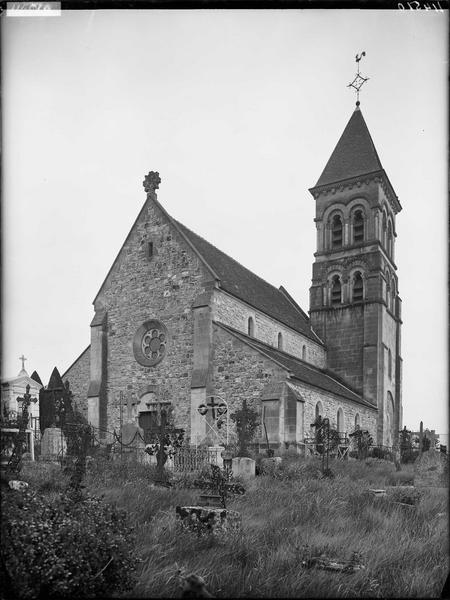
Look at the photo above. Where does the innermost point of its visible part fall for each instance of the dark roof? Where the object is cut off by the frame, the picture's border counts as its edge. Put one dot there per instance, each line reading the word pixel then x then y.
pixel 55 381
pixel 354 155
pixel 242 283
pixel 300 369
pixel 36 378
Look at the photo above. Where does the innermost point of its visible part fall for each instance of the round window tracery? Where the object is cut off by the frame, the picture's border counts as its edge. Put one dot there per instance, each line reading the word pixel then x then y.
pixel 150 343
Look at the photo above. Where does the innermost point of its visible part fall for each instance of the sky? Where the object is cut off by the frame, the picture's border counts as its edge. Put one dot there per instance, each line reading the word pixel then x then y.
pixel 239 112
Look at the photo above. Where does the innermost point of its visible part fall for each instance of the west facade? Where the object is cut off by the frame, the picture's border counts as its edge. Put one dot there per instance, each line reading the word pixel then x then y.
pixel 179 323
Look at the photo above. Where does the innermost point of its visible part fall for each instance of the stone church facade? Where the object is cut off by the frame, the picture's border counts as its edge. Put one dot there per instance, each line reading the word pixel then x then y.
pixel 178 322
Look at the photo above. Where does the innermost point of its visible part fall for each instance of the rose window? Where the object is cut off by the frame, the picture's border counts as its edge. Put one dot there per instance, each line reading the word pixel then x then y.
pixel 150 343
pixel 153 344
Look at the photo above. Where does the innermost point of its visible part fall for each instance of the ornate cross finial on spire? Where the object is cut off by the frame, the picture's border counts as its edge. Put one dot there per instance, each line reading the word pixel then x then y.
pixel 151 181
pixel 23 359
pixel 359 80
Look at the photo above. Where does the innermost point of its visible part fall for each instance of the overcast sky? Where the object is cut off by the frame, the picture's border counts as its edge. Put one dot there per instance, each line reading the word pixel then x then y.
pixel 239 112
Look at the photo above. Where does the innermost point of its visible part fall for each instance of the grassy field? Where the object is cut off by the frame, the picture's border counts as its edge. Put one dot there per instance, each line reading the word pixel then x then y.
pixel 404 550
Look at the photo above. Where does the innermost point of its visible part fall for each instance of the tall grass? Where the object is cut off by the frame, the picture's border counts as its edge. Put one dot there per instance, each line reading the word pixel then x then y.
pixel 404 550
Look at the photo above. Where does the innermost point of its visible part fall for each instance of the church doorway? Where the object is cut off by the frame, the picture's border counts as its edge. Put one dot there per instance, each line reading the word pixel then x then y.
pixel 148 420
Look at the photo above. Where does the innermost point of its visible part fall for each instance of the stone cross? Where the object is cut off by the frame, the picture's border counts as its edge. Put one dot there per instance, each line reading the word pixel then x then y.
pixel 23 359
pixel 151 182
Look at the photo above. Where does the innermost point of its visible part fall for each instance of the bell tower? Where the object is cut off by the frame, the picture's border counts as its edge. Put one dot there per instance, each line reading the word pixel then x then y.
pixel 354 303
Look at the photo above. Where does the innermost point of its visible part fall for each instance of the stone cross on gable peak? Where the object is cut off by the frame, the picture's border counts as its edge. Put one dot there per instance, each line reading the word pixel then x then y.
pixel 151 182
pixel 23 371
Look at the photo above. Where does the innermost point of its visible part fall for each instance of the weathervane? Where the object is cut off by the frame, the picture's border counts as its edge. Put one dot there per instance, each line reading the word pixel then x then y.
pixel 359 80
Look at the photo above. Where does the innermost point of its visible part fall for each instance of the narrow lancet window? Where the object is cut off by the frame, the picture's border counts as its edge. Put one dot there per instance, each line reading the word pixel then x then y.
pixel 335 290
pixel 358 227
pixel 358 288
pixel 336 232
pixel 280 341
pixel 251 327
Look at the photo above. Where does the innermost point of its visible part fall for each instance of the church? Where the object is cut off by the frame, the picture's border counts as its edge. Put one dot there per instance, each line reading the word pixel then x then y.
pixel 180 324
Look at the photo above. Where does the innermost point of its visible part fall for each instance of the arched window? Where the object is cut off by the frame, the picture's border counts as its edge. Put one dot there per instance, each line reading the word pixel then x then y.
pixel 280 341
pixel 340 421
pixel 393 295
pixel 251 327
pixel 383 232
pixel 319 410
pixel 335 290
pixel 303 352
pixel 388 287
pixel 358 287
pixel 358 227
pixel 389 239
pixel 336 232
pixel 389 363
pixel 357 421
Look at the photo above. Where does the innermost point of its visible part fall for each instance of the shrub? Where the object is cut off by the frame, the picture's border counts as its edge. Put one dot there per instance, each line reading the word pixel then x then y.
pixel 409 455
pixel 61 548
pixel 381 453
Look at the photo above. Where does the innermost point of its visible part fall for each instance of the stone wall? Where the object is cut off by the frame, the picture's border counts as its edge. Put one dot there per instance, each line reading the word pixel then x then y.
pixel 330 406
pixel 344 332
pixel 240 372
pixel 78 376
pixel 235 313
pixel 140 287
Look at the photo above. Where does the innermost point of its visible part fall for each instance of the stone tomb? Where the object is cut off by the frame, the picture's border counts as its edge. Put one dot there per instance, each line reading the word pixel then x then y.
pixel 243 467
pixel 132 444
pixel 53 444
pixel 208 519
pixel 431 470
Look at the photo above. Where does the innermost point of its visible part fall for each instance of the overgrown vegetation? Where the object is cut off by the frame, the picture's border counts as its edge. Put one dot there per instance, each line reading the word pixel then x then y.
pixel 54 547
pixel 285 509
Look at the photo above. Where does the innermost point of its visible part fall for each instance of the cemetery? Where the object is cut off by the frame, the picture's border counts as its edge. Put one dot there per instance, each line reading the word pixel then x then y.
pixel 152 516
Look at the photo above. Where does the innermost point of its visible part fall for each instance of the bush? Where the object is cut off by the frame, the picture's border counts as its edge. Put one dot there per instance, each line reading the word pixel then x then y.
pixel 381 453
pixel 409 455
pixel 60 548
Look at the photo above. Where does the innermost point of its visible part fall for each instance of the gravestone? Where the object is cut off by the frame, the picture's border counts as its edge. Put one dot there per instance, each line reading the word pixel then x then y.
pixel 431 470
pixel 53 444
pixel 243 467
pixel 132 444
pixel 129 434
pixel 215 455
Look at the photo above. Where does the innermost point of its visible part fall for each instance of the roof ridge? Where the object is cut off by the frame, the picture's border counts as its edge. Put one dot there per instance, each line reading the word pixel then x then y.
pixel 297 307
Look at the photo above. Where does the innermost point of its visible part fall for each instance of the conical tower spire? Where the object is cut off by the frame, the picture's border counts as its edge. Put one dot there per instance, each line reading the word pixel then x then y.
pixel 354 155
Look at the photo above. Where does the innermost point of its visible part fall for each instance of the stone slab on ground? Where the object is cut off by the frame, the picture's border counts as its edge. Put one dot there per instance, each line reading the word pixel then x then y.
pixel 431 470
pixel 243 467
pixel 208 519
